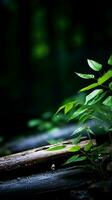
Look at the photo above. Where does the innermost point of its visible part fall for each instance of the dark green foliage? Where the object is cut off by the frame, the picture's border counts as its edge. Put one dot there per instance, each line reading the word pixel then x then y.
pixel 95 105
pixel 75 158
pixel 56 148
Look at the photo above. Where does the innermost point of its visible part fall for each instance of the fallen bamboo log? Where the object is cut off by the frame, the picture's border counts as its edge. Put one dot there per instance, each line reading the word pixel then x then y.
pixel 35 186
pixel 49 183
pixel 36 157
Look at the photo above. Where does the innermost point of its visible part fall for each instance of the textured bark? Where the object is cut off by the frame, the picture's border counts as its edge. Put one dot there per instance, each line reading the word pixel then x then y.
pixel 43 183
pixel 36 157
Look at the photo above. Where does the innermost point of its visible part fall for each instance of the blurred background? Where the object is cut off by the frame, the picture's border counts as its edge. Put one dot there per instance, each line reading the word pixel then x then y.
pixel 42 43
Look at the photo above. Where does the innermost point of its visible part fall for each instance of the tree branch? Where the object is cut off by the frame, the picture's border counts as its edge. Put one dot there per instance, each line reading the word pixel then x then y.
pixel 36 157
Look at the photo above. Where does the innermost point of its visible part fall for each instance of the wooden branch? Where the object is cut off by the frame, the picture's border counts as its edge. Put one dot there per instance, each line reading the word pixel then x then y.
pixel 43 183
pixel 36 157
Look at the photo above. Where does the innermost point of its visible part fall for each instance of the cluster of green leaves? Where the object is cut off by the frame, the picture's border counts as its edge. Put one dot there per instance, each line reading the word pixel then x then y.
pixel 95 105
pixel 92 156
pixel 77 149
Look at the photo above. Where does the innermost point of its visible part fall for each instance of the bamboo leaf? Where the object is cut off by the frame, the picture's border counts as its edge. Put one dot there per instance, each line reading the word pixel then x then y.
pixel 68 107
pixel 56 148
pixel 93 94
pixel 75 148
pixel 94 65
pixel 60 108
pixel 78 112
pixel 108 101
pixel 85 76
pixel 88 146
pixel 97 99
pixel 110 60
pixel 86 116
pixel 89 87
pixel 105 77
pixel 75 158
pixel 78 130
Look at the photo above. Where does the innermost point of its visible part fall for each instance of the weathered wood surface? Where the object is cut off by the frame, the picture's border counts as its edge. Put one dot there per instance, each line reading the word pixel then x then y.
pixel 36 157
pixel 43 183
pixel 73 181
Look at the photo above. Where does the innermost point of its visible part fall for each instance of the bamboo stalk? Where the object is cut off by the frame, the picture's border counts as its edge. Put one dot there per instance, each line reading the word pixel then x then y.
pixel 37 156
pixel 45 183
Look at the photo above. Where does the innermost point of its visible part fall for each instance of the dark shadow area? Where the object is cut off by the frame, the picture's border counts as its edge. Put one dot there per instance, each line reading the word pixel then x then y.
pixel 42 44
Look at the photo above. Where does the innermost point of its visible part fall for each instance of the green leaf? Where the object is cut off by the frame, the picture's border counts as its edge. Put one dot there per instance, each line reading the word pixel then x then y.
pixel 78 130
pixel 60 108
pixel 75 148
pixel 108 101
pixel 93 94
pixel 110 85
pixel 56 148
pixel 88 146
pixel 85 76
pixel 89 87
pixel 105 77
pixel 86 116
pixel 68 107
pixel 94 65
pixel 75 158
pixel 110 60
pixel 78 112
pixel 96 99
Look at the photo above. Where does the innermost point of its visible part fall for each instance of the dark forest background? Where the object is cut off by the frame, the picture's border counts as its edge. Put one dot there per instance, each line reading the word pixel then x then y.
pixel 42 43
